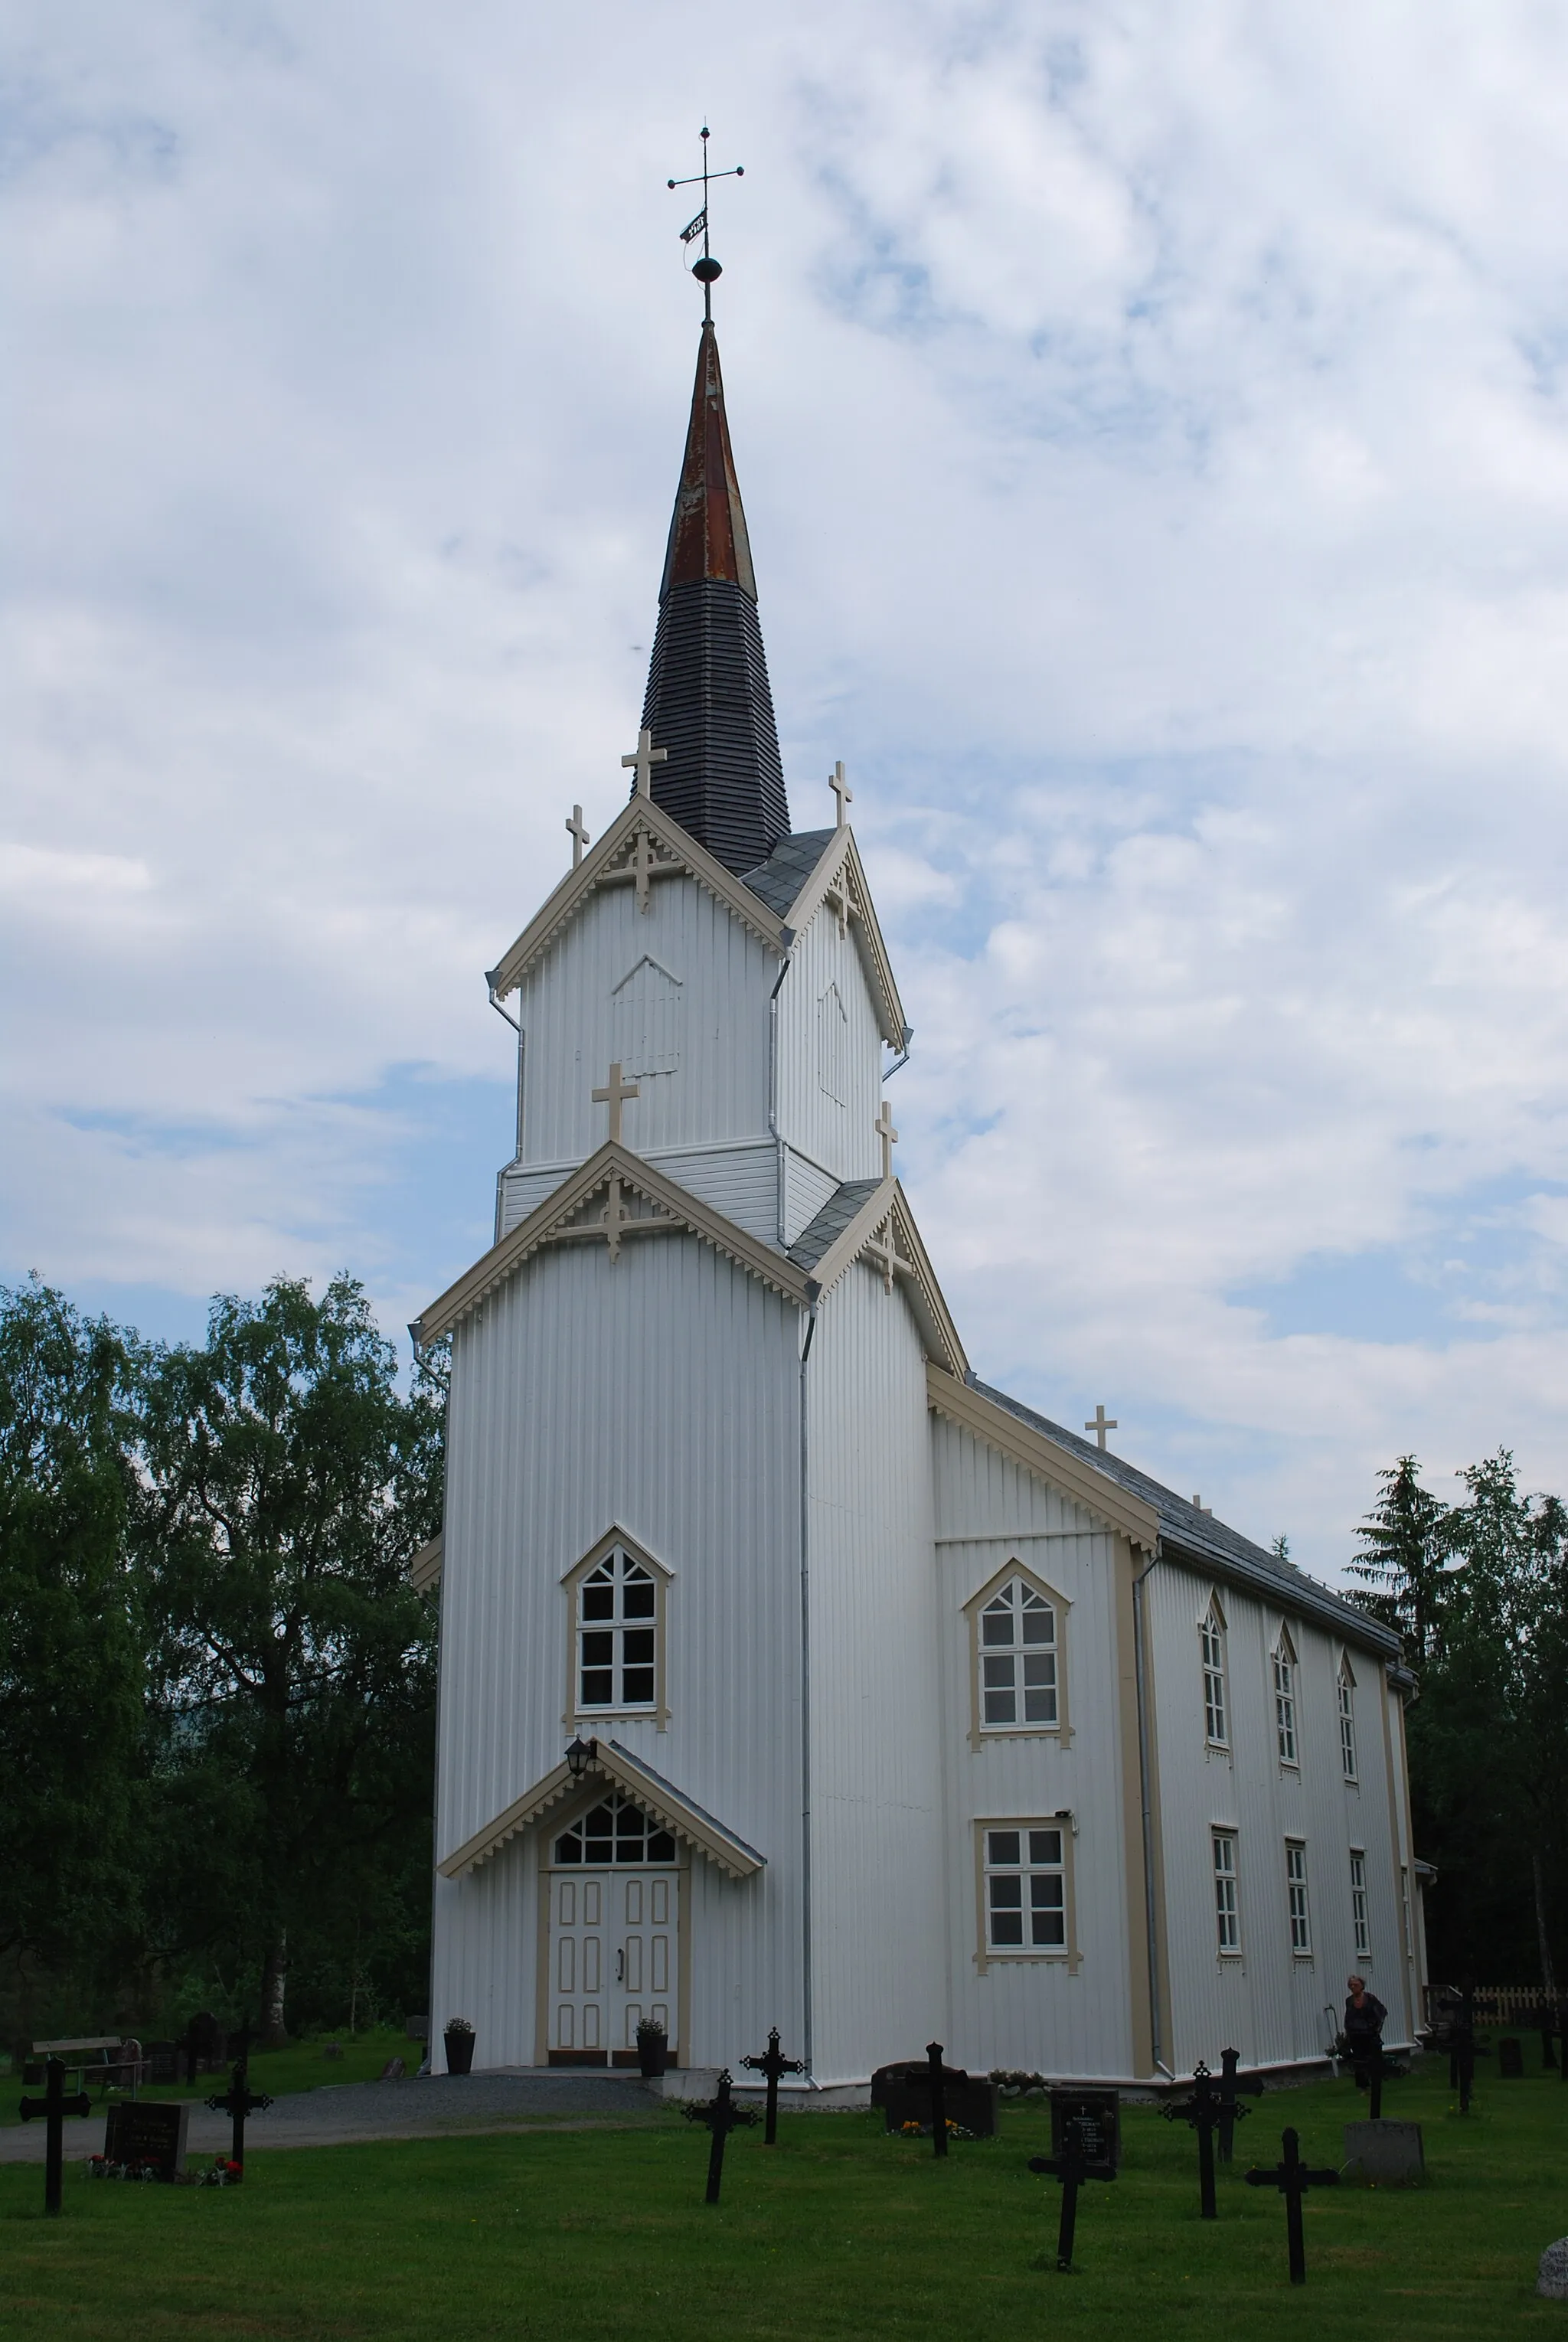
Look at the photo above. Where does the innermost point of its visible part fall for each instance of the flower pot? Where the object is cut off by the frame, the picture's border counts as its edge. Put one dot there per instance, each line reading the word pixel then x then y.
pixel 653 2053
pixel 459 2052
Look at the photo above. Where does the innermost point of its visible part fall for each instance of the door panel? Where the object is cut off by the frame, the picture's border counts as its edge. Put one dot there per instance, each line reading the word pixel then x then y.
pixel 614 1958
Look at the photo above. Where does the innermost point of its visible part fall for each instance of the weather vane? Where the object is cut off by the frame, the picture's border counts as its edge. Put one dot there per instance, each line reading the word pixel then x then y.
pixel 705 269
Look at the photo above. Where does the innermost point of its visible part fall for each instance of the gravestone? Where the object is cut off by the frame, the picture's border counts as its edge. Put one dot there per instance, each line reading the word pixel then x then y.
pixel 904 2093
pixel 163 2061
pixel 1511 2061
pixel 148 2135
pixel 1384 2154
pixel 393 2070
pixel 1551 2281
pixel 1095 2118
pixel 206 2047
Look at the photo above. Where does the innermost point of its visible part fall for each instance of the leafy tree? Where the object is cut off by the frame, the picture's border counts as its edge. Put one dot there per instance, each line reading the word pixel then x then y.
pixel 287 1483
pixel 71 1684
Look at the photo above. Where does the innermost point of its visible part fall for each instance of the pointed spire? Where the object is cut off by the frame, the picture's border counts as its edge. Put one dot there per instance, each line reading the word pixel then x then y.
pixel 708 700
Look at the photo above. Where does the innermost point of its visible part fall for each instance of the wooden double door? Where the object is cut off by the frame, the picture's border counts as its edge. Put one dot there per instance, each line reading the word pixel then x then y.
pixel 615 1956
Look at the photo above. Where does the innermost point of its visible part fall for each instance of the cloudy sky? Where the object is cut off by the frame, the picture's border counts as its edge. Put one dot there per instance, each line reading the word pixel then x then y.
pixel 1152 421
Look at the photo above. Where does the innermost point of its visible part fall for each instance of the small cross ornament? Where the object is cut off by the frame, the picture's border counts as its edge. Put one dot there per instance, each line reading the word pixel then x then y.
pixel 1101 1424
pixel 888 1136
pixel 614 1095
pixel 579 835
pixel 614 1217
pixel 843 791
pixel 643 863
pixel 642 760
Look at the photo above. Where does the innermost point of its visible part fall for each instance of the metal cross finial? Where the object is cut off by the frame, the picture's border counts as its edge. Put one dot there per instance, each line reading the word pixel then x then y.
pixel 1101 1424
pixel 884 1130
pixel 705 269
pixel 642 760
pixel 613 1095
pixel 842 791
pixel 579 835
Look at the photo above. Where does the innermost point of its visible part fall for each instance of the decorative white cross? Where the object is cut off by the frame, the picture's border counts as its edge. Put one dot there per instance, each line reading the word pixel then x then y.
pixel 642 760
pixel 884 1130
pixel 612 1095
pixel 842 791
pixel 615 1216
pixel 644 862
pixel 579 835
pixel 885 1252
pixel 1101 1424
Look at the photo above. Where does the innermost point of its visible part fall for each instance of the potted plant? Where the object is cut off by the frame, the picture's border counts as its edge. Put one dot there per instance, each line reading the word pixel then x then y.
pixel 653 2048
pixel 459 2038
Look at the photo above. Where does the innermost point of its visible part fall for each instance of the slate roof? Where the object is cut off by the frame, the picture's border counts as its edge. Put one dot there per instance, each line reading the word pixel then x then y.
pixel 831 1222
pixel 779 880
pixel 1196 1537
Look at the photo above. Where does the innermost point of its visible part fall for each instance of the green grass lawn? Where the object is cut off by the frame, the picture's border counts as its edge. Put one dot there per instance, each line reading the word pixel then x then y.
pixel 591 2235
pixel 303 2065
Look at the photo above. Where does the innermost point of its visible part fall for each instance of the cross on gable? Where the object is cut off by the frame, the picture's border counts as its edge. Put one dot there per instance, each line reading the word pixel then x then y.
pixel 642 760
pixel 1101 1424
pixel 884 1251
pixel 843 791
pixel 888 1136
pixel 644 862
pixel 613 1095
pixel 615 1216
pixel 579 835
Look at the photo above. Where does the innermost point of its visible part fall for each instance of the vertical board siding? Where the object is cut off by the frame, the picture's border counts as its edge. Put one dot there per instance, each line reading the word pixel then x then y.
pixel 658 1391
pixel 1272 2005
pixel 806 1189
pixel 577 1020
pixel 840 1138
pixel 1033 2014
pixel 741 1181
pixel 876 1764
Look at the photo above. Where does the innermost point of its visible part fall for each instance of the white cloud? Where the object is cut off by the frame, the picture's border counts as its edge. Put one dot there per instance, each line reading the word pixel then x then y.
pixel 1153 429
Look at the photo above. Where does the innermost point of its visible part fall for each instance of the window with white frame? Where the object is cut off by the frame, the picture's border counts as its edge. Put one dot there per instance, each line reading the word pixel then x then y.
pixel 1347 1721
pixel 1360 1925
pixel 1025 1875
pixel 617 1635
pixel 1227 1909
pixel 1216 1707
pixel 1285 1667
pixel 1018 1653
pixel 1296 1896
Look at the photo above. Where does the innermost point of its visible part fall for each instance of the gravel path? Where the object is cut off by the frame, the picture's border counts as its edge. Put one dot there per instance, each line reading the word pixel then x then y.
pixel 442 2106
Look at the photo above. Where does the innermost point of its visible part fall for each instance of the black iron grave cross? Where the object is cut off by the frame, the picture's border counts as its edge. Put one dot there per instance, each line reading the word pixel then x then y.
pixel 240 2100
pixel 1373 2069
pixel 1204 2113
pixel 1233 2088
pixel 1292 2179
pixel 1072 2168
pixel 719 2116
pixel 54 2106
pixel 772 2065
pixel 1464 2008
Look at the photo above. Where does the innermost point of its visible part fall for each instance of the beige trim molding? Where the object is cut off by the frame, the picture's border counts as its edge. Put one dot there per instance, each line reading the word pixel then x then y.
pixel 839 881
pixel 621 1770
pixel 1110 1503
pixel 573 1717
pixel 424 1569
pixel 884 1230
pixel 675 1211
pixel 979 1733
pixel 674 853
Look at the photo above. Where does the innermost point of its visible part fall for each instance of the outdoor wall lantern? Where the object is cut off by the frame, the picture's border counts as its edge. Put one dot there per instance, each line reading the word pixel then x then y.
pixel 580 1756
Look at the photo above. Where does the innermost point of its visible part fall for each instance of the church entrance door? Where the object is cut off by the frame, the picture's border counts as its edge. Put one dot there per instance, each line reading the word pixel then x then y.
pixel 614 1936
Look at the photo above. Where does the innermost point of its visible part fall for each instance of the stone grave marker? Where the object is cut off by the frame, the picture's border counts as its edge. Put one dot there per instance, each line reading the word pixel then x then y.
pixel 1384 2154
pixel 905 2093
pixel 1551 2279
pixel 148 2135
pixel 393 2070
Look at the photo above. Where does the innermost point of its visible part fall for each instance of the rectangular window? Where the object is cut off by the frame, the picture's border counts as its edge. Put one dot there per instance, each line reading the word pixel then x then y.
pixel 1296 1891
pixel 1359 1924
pixel 1025 1889
pixel 1216 1727
pixel 617 1635
pixel 1227 1911
pixel 1285 1702
pixel 1018 1660
pixel 1347 1726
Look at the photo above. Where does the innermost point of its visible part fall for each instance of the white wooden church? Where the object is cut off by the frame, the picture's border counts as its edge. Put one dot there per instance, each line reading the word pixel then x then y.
pixel 895 1712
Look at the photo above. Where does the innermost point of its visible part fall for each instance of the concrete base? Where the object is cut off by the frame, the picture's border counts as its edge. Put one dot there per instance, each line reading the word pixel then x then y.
pixel 1384 2154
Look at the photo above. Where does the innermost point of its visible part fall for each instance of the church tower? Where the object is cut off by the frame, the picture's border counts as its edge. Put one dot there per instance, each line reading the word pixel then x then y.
pixel 788 1674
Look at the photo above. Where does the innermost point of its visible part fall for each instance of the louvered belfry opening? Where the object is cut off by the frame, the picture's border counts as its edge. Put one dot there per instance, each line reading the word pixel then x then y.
pixel 708 702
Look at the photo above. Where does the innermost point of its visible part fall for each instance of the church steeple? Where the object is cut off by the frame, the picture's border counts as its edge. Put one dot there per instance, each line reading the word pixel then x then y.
pixel 708 702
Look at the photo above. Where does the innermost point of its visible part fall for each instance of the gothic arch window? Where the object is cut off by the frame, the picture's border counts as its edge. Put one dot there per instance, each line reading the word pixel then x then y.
pixel 1284 1664
pixel 1017 1656
pixel 617 1598
pixel 645 1017
pixel 1349 1765
pixel 1216 1688
pixel 614 1832
pixel 832 1045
